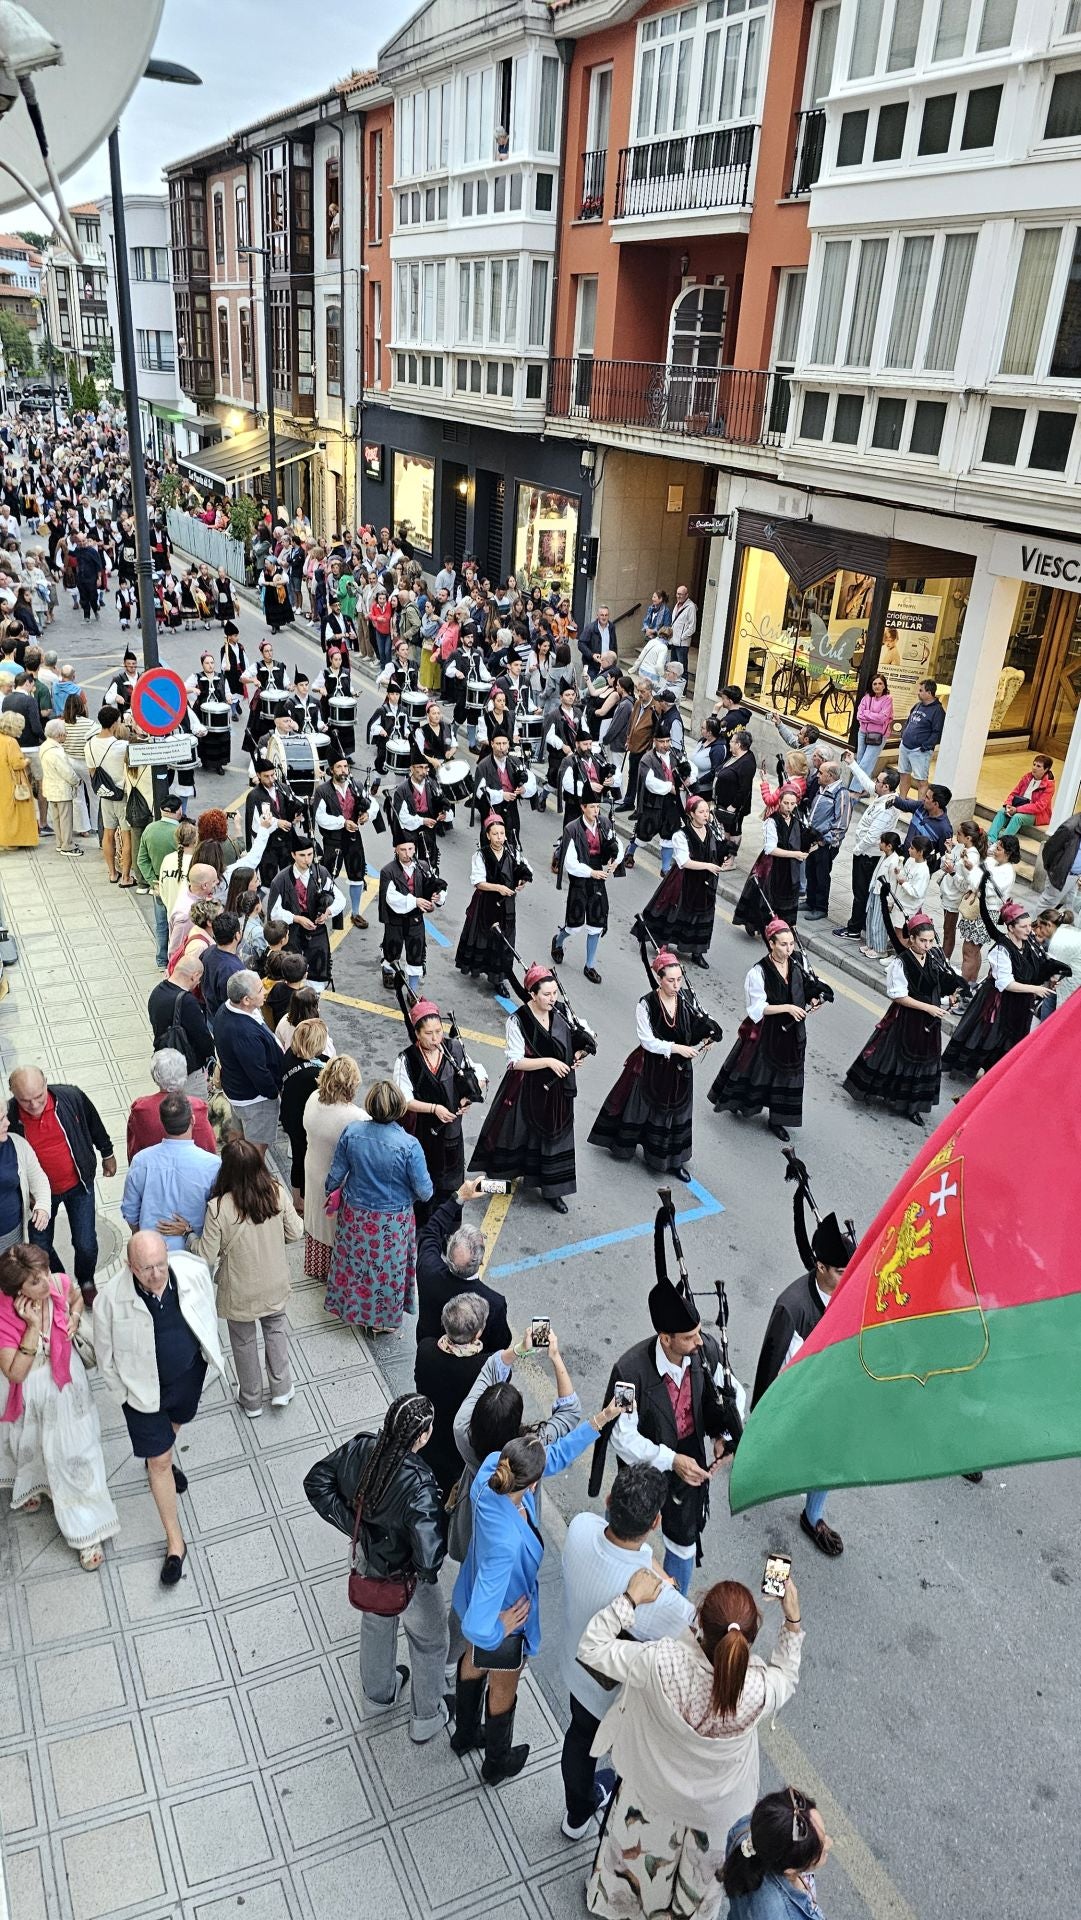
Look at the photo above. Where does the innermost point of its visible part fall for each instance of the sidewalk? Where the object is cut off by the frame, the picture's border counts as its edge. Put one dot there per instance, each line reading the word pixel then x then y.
pixel 175 1755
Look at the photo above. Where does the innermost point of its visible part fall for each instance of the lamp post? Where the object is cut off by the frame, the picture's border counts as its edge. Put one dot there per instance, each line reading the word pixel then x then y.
pixel 263 254
pixel 180 76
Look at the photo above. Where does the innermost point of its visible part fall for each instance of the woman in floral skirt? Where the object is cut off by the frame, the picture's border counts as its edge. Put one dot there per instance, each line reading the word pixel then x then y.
pixel 329 1110
pixel 377 1173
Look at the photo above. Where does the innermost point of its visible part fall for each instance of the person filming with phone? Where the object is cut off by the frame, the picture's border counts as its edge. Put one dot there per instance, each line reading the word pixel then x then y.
pixel 683 1735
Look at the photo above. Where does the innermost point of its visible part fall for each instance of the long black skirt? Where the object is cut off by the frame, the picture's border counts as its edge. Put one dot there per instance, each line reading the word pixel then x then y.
pixel 901 1062
pixel 682 912
pixel 629 1119
pixel 778 880
pixel 991 1024
pixel 512 1146
pixel 759 1073
pixel 480 949
pixel 214 748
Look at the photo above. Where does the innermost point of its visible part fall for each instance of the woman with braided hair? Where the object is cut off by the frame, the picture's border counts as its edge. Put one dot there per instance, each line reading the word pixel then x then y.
pixel 401 1538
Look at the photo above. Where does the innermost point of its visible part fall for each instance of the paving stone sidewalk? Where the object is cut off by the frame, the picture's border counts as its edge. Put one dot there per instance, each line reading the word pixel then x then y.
pixel 201 1752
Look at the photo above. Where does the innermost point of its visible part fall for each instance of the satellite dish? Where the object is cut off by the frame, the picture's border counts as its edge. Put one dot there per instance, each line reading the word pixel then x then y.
pixel 105 46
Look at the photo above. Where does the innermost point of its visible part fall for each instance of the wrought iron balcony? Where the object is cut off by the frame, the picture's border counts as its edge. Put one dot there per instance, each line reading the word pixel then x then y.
pixel 807 158
pixel 689 174
pixel 591 206
pixel 719 403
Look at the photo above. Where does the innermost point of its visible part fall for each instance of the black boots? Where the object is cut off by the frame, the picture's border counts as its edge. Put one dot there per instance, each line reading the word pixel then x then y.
pixel 501 1760
pixel 468 1704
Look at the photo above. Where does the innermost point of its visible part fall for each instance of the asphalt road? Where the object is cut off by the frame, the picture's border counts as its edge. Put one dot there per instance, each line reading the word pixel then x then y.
pixel 935 1720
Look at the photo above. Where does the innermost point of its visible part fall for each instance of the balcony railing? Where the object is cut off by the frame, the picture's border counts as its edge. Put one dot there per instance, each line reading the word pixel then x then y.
pixel 591 206
pixel 721 403
pixel 807 158
pixel 690 174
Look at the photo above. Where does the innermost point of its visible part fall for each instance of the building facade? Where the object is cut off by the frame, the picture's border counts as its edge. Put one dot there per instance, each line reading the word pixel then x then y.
pixel 76 297
pixel 163 408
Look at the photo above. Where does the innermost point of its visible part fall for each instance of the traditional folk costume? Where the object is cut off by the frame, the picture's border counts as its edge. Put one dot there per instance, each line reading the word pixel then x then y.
pixel 414 801
pixel 651 1103
pixel 269 814
pixel 584 852
pixel 340 812
pixel 501 785
pixel 588 775
pixel 995 1019
pixel 658 812
pixel 277 611
pixel 455 1083
pixel 312 893
pixel 683 911
pixel 388 722
pixel 223 602
pixel 778 880
pixel 336 685
pixel 234 664
pixel 766 1066
pixel 490 926
pixel 528 1134
pixel 901 1063
pixel 216 743
pixel 401 885
pixel 260 722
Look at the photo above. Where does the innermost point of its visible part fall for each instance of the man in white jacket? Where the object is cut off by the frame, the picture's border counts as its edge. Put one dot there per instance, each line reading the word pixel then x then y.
pixel 155 1334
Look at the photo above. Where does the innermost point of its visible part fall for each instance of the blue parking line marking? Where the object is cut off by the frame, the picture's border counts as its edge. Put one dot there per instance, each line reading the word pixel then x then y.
pixel 501 1000
pixel 435 934
pixel 708 1206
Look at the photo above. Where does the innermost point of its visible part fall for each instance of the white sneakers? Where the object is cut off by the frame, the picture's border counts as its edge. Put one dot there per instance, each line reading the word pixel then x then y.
pixel 283 1399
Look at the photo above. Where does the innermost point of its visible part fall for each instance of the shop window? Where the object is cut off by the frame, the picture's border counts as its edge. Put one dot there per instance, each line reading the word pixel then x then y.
pixel 800 650
pixel 852 139
pixel 813 418
pixel 981 118
pixel 545 536
pixel 890 131
pixel 414 498
pixel 1051 442
pixel 847 416
pixel 928 420
pixel 1003 436
pixel 937 123
pixel 1064 109
pixel 889 420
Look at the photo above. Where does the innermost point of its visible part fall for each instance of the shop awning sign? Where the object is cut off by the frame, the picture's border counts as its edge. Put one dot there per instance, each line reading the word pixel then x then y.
pixel 1033 556
pixel 708 526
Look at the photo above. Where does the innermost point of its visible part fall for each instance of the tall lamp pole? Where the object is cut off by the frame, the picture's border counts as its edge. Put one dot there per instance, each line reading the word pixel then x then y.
pixel 49 344
pixel 180 76
pixel 263 253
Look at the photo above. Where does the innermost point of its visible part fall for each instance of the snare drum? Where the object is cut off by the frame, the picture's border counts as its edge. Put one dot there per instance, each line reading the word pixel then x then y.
pixel 529 726
pixel 476 693
pixel 455 781
pixel 399 752
pixel 216 715
pixel 342 708
pixel 274 700
pixel 415 701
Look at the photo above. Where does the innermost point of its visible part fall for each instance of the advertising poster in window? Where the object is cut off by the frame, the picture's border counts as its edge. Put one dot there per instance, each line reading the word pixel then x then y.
pixel 414 498
pixel 908 645
pixel 546 537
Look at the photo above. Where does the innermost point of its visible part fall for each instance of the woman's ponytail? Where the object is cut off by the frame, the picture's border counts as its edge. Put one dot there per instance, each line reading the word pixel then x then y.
pixel 728 1621
pixel 502 1480
pixel 520 1464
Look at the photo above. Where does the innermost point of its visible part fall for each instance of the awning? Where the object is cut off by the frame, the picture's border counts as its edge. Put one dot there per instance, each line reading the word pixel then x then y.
pixel 242 457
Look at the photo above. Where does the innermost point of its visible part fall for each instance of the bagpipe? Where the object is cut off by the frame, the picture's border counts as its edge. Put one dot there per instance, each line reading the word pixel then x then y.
pixel 467 1084
pixel 795 1170
pixel 950 980
pixel 523 872
pixel 583 1038
pixel 729 1392
pixel 641 933
pixel 816 989
pixel 610 852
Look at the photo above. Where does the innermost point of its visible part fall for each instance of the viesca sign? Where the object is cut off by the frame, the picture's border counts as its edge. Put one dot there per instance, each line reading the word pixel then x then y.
pixel 1031 559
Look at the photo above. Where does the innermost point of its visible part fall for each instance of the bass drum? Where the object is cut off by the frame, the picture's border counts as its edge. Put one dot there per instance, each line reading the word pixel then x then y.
pixel 455 781
pixel 302 767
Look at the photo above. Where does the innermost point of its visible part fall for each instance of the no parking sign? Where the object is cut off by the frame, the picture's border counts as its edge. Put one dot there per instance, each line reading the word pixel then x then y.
pixel 159 701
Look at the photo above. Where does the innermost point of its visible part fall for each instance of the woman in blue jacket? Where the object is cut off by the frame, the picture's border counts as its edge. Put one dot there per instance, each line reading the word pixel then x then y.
pixel 496 1597
pixel 772 1857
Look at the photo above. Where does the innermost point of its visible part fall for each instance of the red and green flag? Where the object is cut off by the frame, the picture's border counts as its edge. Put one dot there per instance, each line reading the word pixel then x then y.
pixel 953 1342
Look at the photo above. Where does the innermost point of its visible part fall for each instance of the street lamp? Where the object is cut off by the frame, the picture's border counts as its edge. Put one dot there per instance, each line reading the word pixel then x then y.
pixel 263 254
pixel 167 70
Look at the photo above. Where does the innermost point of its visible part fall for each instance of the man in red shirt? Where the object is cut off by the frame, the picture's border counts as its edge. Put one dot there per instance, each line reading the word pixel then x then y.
pixel 169 1071
pixel 67 1133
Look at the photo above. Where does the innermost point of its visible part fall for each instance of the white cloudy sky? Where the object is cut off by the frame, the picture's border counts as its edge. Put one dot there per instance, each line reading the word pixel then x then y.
pixel 253 56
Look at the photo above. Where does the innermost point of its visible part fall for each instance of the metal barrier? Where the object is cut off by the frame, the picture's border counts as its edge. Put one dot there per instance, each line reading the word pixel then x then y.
pixel 193 535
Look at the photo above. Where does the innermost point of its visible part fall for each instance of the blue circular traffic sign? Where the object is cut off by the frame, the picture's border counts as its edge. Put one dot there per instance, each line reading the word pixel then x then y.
pixel 159 701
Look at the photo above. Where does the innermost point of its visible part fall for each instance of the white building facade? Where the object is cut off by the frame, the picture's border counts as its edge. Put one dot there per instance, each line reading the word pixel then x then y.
pixel 162 406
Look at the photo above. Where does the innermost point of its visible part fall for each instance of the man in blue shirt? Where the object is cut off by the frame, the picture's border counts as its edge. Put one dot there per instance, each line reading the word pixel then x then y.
pixel 920 735
pixel 929 818
pixel 171 1181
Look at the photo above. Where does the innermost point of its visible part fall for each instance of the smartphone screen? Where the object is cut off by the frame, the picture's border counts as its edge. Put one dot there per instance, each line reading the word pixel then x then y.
pixel 539 1329
pixel 623 1394
pixel 775 1578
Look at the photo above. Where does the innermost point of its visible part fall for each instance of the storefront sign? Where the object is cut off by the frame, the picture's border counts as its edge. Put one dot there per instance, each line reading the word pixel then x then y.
pixel 1048 563
pixel 373 460
pixel 708 526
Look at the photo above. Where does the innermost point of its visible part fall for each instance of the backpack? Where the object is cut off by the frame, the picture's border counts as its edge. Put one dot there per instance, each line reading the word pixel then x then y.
pixel 137 813
pixel 104 784
pixel 176 1035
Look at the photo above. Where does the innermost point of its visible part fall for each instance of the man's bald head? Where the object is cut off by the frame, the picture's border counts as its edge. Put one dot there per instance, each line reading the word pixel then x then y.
pixel 148 1258
pixel 188 971
pixel 30 1088
pixel 202 881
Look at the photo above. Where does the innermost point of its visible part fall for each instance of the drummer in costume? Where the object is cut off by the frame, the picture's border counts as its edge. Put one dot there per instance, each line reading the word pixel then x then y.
pixel 588 856
pixel 389 722
pixel 651 1104
pixel 418 807
pixel 683 911
pixel 766 1066
pixel 1000 1013
pixel 658 810
pixel 234 664
pixel 681 1423
pixel 501 781
pixel 901 1063
pixel 408 889
pixel 797 1312
pixel 528 1134
pixel 498 875
pixel 434 738
pixel 342 808
pixel 338 702
pixel 267 672
pixel 304 896
pixel 207 689
pixel 771 890
pixel 439 1084
pixel 269 813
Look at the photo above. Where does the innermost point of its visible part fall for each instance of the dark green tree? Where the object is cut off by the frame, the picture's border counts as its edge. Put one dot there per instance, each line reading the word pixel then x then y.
pixel 39 241
pixel 17 344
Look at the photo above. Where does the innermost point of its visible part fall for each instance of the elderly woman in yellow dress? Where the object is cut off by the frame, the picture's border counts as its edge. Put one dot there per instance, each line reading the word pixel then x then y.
pixel 18 808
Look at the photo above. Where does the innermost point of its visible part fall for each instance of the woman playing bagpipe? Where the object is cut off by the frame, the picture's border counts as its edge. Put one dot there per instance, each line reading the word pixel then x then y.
pixel 439 1082
pixel 766 1066
pixel 683 910
pixel 902 1061
pixel 771 890
pixel 498 873
pixel 528 1134
pixel 651 1103
pixel 1000 1014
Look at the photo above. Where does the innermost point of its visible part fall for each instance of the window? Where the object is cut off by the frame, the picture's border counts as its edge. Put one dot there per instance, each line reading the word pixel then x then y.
pixel 889 420
pixel 1003 436
pixel 537 332
pixel 948 307
pixel 908 305
pixel 951 30
pixel 96 331
pixel 861 330
pixel 332 203
pixel 929 418
pixel 223 345
pixel 543 197
pixel 334 349
pixel 937 123
pixel 240 216
pixel 1066 352
pixel 305 343
pixel 865 38
pixel 1051 442
pixel 377 335
pixel 416 369
pixel 981 118
pixel 790 306
pixel 545 535
pixel 847 416
pixel 890 131
pixel 1064 109
pixel 479 117
pixel 534 383
pixel 1035 270
pixel 150 263
pixel 813 421
pixel 375 188
pixel 996 25
pixel 156 351
pixel 546 108
pixel 905 34
pixel 245 343
pixel 1073 17
pixel 219 229
pixel 828 318
pixel 414 498
pixel 852 139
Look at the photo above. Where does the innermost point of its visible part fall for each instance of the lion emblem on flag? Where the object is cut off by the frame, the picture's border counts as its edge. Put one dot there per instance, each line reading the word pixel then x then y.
pixel 922 1314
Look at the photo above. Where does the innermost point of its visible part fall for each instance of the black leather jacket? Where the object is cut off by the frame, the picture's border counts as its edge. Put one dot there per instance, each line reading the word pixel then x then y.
pixel 407 1533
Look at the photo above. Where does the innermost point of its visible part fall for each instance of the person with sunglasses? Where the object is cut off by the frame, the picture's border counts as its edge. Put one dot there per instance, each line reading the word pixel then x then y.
pixel 772 1856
